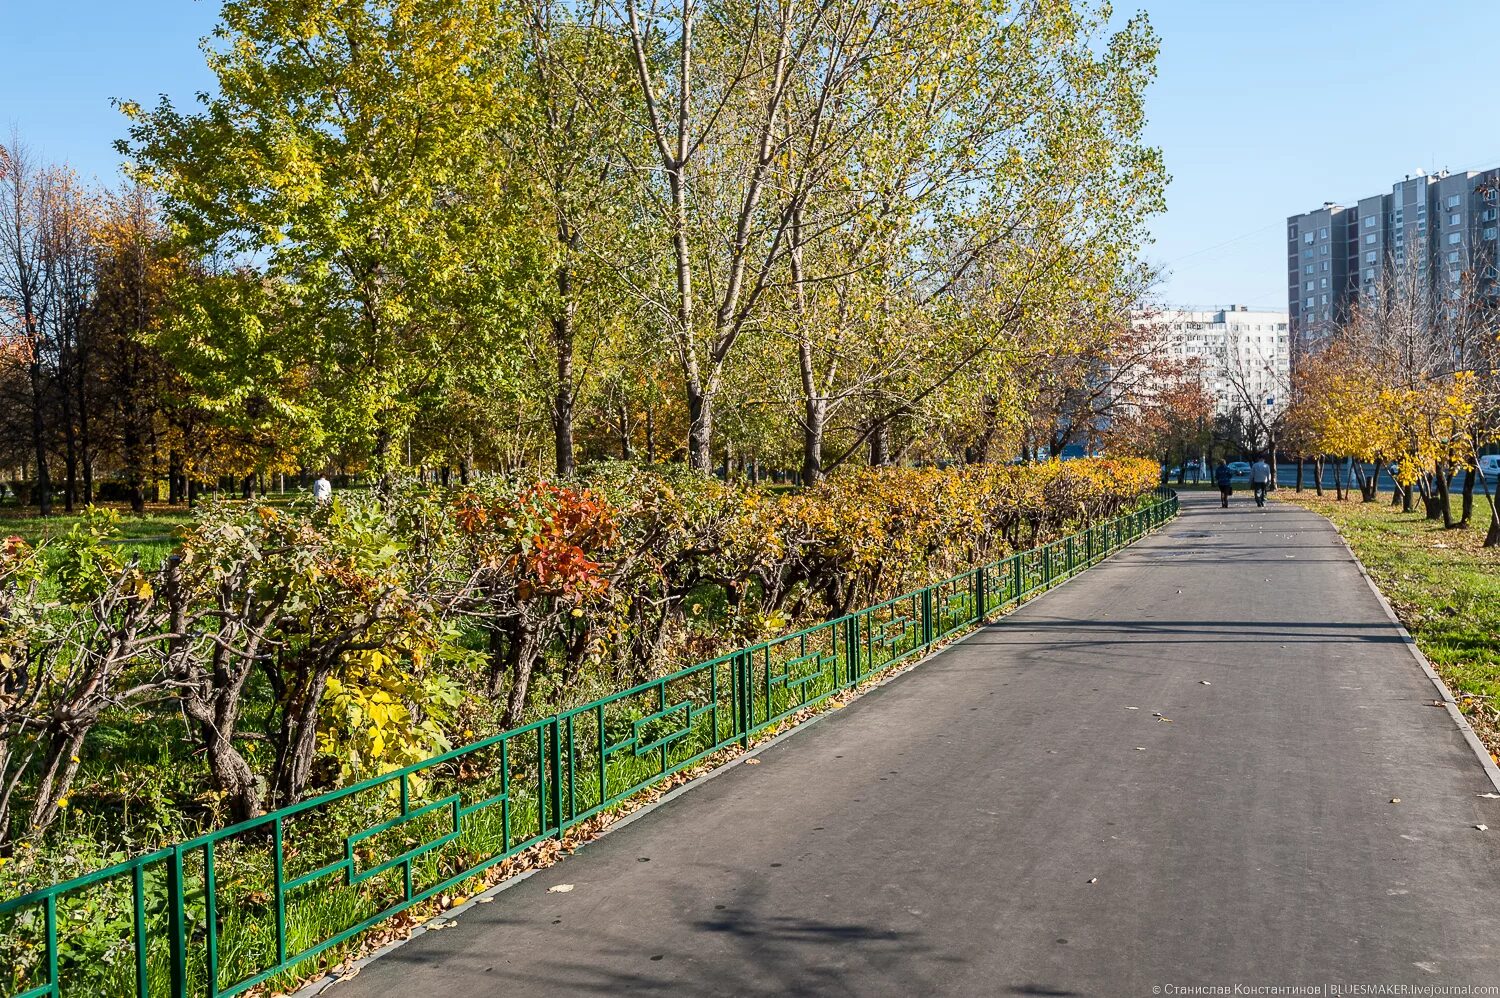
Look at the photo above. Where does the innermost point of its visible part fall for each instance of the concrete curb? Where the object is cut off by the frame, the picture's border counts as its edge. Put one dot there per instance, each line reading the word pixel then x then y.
pixel 322 984
pixel 1444 694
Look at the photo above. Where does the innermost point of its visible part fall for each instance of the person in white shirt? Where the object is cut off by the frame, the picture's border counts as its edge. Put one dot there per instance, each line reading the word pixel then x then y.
pixel 1260 480
pixel 322 490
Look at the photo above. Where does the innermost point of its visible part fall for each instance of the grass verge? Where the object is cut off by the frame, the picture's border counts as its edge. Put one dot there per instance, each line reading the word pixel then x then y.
pixel 1445 587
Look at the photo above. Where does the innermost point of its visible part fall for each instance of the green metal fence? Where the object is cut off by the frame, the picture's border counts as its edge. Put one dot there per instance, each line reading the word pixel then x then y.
pixel 220 913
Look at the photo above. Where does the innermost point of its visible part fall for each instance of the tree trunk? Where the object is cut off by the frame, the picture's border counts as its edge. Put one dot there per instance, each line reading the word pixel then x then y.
pixel 815 415
pixel 57 773
pixel 174 477
pixel 880 446
pixel 562 398
pixel 70 439
pixel 1301 468
pixel 1318 476
pixel 700 428
pixel 299 737
pixel 521 653
pixel 1468 505
pixel 39 436
pixel 134 467
pixel 232 776
pixel 1445 498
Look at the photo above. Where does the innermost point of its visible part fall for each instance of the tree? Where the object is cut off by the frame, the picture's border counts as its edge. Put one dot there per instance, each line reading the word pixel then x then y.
pixel 23 206
pixel 347 152
pixel 857 166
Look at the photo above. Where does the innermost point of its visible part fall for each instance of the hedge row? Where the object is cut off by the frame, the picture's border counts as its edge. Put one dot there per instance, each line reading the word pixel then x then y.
pixel 281 652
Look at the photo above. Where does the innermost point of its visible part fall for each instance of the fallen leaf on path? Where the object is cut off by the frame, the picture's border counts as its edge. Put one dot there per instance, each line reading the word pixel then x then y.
pixel 752 762
pixel 1395 800
pixel 559 888
pixel 1483 828
pixel 1205 682
pixel 1491 796
pixel 1160 719
pixel 483 900
pixel 1093 880
pixel 1140 748
pixel 1132 708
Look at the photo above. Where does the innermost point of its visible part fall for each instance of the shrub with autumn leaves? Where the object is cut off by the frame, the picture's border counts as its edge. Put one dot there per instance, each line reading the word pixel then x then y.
pixel 308 647
pixel 532 549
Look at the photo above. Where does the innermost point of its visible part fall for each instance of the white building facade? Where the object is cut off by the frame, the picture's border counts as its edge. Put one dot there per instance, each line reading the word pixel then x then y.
pixel 1243 354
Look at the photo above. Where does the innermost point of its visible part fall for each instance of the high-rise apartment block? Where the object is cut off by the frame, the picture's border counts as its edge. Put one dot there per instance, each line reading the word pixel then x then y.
pixel 1435 233
pixel 1241 354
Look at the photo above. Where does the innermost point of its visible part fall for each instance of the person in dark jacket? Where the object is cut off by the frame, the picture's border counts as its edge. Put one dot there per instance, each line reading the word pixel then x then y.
pixel 1224 479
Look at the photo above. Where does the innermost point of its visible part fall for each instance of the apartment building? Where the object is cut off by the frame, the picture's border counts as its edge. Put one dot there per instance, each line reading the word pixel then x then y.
pixel 1433 233
pixel 1244 354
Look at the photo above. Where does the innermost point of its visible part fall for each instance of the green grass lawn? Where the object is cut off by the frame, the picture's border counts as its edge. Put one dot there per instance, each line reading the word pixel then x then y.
pixel 158 521
pixel 1444 585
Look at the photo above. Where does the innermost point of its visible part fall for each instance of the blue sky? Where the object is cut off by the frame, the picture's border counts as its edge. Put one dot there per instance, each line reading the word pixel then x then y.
pixel 1262 108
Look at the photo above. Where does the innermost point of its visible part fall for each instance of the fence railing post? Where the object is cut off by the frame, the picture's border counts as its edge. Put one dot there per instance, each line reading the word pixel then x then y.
pixel 927 628
pixel 555 788
pixel 851 649
pixel 176 926
pixel 979 594
pixel 742 696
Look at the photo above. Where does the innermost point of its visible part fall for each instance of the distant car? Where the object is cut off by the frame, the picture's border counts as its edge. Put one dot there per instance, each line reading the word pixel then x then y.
pixel 1489 466
pixel 1239 469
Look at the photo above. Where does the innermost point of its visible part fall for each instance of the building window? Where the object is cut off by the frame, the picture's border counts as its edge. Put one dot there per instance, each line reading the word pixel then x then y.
pixel 1322 299
pixel 1291 232
pixel 1489 233
pixel 1323 283
pixel 1370 222
pixel 1370 239
pixel 1455 201
pixel 1370 275
pixel 1454 218
pixel 1309 303
pixel 1370 257
pixel 1454 238
pixel 1323 249
pixel 1325 265
pixel 1307 238
pixel 1308 270
pixel 1323 232
pixel 1308 287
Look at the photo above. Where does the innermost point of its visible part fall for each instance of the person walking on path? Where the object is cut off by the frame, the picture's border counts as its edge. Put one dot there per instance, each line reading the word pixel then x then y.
pixel 1260 480
pixel 1224 479
pixel 322 490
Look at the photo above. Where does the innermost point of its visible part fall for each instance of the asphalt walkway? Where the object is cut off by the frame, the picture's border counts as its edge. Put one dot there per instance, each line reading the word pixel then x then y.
pixel 1175 771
